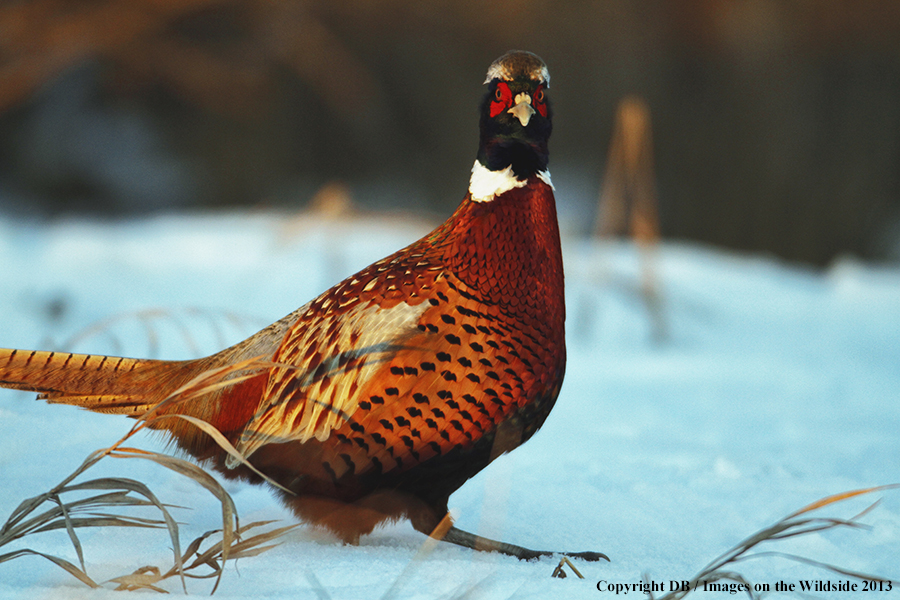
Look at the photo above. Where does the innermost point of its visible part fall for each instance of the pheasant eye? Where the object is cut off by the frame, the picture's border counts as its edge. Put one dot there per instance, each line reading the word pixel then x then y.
pixel 539 100
pixel 502 99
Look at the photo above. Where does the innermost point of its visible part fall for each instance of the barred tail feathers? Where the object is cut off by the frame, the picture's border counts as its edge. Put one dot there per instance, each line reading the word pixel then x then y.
pixel 99 383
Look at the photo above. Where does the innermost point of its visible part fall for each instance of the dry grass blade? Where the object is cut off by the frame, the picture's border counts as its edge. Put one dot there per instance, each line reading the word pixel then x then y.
pixel 212 558
pixel 560 572
pixel 61 562
pixel 223 442
pixel 820 564
pixel 54 518
pixel 70 529
pixel 144 578
pixel 788 527
pixel 252 546
pixel 102 520
pixel 840 498
pixel 207 381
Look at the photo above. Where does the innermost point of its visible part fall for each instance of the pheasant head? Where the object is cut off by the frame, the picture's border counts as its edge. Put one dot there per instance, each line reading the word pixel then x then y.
pixel 516 115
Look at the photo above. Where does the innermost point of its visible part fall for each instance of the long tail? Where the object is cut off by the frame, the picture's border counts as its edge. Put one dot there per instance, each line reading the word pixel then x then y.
pixel 132 387
pixel 100 383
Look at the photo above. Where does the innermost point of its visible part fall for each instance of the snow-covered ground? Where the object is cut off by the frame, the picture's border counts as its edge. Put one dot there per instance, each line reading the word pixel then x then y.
pixel 752 390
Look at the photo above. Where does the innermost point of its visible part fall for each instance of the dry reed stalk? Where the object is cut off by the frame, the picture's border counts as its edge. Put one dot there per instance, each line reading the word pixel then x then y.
pixel 628 202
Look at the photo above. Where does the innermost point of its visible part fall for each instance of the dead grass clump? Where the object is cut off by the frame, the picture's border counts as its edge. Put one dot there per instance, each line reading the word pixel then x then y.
pixel 112 500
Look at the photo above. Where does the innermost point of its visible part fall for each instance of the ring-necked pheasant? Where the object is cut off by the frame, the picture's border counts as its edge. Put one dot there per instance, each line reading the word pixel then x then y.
pixel 386 393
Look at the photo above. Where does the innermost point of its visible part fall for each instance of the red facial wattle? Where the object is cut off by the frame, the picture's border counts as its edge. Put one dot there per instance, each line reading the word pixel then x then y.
pixel 503 98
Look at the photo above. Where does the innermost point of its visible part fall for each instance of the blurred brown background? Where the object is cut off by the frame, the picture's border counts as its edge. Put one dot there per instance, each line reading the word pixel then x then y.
pixel 776 125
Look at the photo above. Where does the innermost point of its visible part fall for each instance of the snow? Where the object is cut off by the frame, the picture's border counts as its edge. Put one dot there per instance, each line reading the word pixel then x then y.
pixel 748 390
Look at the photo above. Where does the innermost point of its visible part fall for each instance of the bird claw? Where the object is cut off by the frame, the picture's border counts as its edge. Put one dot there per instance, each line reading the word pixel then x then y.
pixel 588 556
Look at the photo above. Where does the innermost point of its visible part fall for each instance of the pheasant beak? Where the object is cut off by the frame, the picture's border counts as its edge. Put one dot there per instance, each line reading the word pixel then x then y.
pixel 523 109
